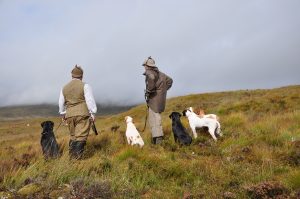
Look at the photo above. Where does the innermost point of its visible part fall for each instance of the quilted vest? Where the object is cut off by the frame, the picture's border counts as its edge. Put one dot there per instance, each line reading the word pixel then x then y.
pixel 74 99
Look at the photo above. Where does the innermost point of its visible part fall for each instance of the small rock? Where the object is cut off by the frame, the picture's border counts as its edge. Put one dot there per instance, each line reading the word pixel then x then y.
pixel 229 195
pixel 28 181
pixel 298 194
pixel 296 143
pixel 5 195
pixel 62 193
pixel 187 195
pixel 114 128
pixel 201 144
pixel 246 150
pixel 238 158
pixel 29 189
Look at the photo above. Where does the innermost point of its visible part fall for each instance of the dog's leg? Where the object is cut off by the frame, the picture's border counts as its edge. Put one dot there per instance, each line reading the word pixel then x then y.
pixel 128 140
pixel 219 129
pixel 175 138
pixel 211 131
pixel 194 132
pixel 132 141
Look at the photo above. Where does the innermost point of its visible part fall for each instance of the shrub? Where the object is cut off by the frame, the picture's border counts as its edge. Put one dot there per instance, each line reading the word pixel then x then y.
pixel 267 190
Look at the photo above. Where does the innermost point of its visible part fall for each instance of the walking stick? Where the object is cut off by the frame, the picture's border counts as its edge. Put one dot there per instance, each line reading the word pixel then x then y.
pixel 147 99
pixel 146 119
pixel 58 126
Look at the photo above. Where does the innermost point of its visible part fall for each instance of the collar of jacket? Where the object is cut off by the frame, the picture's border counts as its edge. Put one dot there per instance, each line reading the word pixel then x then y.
pixel 151 68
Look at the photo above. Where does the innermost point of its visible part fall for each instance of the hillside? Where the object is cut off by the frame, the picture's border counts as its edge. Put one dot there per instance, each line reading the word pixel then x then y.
pixel 258 156
pixel 50 110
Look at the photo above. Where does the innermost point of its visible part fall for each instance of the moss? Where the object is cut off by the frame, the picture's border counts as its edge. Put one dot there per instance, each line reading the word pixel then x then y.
pixel 29 189
pixel 293 180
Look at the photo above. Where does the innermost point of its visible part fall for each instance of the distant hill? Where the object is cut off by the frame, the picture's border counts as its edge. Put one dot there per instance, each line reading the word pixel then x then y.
pixel 50 110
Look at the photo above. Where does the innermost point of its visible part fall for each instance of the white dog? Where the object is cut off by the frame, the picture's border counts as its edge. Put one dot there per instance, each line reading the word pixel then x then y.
pixel 196 122
pixel 132 134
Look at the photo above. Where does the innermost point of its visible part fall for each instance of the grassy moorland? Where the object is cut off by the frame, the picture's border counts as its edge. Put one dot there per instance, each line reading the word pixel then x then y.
pixel 258 156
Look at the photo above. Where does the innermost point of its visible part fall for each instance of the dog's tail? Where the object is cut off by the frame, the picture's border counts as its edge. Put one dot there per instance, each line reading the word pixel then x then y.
pixel 218 129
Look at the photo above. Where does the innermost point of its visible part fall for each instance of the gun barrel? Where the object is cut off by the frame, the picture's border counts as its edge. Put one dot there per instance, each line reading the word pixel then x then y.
pixel 94 128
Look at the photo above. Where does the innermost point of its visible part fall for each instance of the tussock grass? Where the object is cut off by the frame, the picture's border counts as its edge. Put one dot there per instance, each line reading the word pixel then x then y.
pixel 261 143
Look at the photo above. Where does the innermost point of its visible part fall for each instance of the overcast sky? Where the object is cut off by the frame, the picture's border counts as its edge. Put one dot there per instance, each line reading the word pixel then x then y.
pixel 205 46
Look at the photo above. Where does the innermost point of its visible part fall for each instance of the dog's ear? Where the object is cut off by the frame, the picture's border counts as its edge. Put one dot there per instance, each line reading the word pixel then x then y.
pixel 184 113
pixel 42 124
pixel 179 114
pixel 170 116
pixel 52 123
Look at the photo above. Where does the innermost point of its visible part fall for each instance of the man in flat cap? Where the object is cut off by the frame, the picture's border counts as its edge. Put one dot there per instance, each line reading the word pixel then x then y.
pixel 77 106
pixel 157 85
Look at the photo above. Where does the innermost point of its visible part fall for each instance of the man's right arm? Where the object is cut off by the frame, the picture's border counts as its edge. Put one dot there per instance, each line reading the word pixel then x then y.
pixel 61 104
pixel 150 83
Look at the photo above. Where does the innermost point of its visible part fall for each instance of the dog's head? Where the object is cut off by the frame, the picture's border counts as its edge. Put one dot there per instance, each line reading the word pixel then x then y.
pixel 175 116
pixel 187 112
pixel 128 119
pixel 47 125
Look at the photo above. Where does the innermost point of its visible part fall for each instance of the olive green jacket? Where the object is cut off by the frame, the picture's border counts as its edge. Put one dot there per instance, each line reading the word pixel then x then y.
pixel 157 85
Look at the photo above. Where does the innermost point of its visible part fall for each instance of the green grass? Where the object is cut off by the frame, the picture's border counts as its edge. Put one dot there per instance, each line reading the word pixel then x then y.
pixel 260 130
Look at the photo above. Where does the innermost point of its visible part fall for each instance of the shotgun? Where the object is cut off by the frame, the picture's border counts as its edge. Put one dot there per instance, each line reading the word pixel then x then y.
pixel 94 127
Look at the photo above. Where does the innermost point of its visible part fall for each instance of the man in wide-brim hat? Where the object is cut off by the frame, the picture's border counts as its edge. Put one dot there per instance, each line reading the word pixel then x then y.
pixel 77 106
pixel 157 85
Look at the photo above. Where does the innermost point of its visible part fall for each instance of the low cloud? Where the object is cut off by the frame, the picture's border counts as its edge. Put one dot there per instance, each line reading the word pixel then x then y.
pixel 204 46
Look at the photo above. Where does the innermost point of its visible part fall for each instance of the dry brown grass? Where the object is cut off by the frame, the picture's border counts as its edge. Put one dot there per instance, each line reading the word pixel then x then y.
pixel 261 131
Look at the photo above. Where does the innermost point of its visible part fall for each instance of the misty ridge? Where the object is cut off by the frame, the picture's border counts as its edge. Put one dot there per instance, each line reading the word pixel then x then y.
pixel 51 110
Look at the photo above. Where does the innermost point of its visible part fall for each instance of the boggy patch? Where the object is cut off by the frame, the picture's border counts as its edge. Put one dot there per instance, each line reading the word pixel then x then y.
pixel 25 160
pixel 293 157
pixel 267 190
pixel 94 190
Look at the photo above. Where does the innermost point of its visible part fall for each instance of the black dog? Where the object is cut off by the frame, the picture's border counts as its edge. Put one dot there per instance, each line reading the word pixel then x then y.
pixel 180 133
pixel 48 140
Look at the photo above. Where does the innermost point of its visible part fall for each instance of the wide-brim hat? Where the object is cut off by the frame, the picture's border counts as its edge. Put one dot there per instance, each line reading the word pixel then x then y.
pixel 77 72
pixel 149 62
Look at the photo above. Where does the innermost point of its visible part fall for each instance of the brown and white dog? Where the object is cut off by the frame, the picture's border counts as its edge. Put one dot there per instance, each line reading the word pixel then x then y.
pixel 132 134
pixel 214 127
pixel 200 112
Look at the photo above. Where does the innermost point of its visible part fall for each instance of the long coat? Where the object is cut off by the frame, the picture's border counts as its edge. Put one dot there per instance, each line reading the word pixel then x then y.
pixel 157 85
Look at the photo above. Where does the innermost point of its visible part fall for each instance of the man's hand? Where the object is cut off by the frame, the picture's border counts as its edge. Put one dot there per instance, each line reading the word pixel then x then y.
pixel 92 117
pixel 147 96
pixel 63 118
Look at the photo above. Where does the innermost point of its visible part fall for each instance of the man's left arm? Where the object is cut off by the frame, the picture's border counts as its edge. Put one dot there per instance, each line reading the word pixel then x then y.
pixel 90 100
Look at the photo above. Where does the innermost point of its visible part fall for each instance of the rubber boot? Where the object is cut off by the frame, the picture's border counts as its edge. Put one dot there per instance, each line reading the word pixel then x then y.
pixel 157 140
pixel 79 148
pixel 72 149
